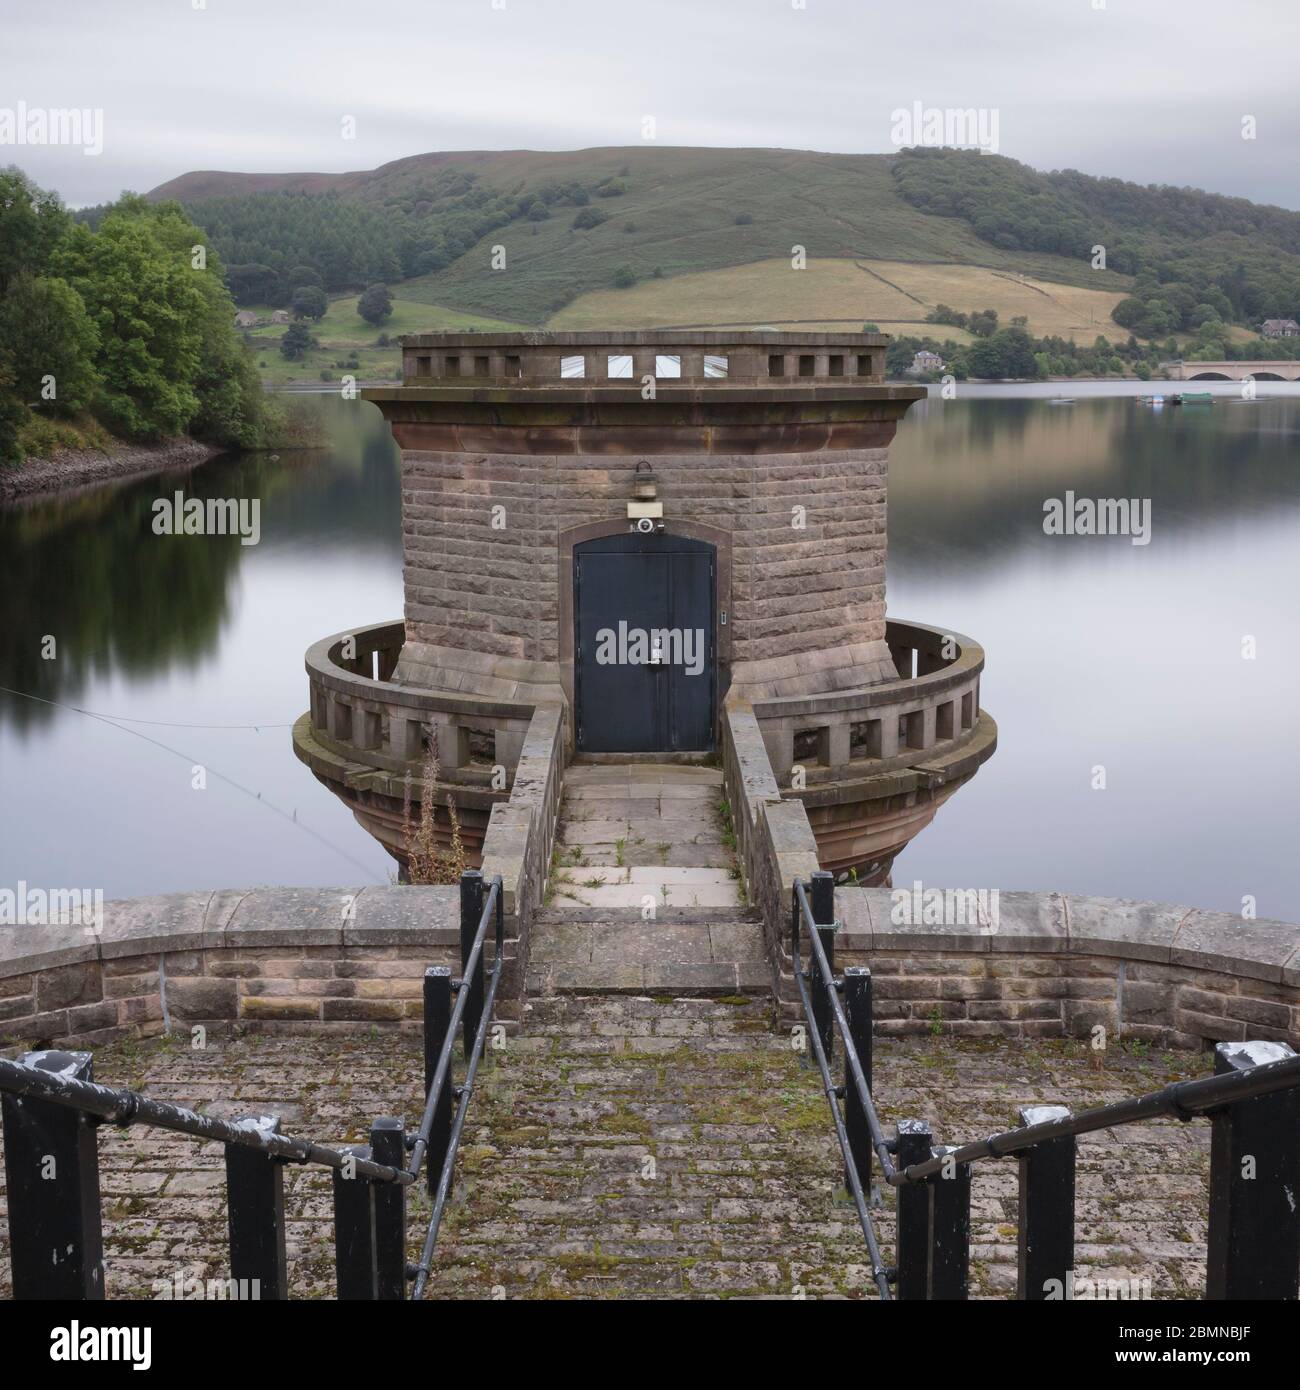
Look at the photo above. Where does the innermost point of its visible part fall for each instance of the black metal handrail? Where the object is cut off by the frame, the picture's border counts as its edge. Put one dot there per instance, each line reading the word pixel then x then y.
pixel 47 1097
pixel 855 1072
pixel 1236 1098
pixel 472 1012
pixel 122 1107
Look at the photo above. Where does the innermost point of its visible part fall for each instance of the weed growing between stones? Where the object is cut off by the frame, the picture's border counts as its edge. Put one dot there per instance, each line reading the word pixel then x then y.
pixel 426 861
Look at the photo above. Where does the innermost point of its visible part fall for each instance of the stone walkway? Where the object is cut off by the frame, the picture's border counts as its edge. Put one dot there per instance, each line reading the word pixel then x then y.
pixel 644 892
pixel 630 831
pixel 646 1147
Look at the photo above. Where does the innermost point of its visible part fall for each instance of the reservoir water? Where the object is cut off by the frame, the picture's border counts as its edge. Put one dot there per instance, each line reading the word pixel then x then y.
pixel 1168 669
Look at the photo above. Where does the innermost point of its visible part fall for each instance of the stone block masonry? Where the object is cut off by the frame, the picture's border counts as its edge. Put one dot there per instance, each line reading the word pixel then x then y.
pixel 484 539
pixel 303 959
pixel 1058 965
pixel 1063 965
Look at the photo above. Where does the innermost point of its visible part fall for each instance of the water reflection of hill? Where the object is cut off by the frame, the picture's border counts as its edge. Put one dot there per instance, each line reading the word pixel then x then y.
pixel 968 478
pixel 89 571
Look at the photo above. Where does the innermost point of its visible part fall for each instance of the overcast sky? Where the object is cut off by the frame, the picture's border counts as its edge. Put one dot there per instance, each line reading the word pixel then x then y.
pixel 1151 90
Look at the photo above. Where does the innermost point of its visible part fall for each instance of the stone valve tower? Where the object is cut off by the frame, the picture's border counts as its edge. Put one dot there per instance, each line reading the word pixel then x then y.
pixel 641 531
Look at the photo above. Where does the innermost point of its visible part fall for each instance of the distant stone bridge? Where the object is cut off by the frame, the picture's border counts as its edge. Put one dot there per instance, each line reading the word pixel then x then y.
pixel 1286 370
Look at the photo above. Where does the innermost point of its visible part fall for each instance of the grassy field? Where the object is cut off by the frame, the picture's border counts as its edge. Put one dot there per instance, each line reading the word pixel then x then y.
pixel 343 335
pixel 687 211
pixel 844 294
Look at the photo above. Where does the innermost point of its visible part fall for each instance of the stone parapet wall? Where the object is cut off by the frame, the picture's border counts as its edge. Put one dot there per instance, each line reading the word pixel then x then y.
pixel 310 958
pixel 1062 965
pixel 774 841
pixel 716 357
pixel 318 958
pixel 520 837
pixel 1038 965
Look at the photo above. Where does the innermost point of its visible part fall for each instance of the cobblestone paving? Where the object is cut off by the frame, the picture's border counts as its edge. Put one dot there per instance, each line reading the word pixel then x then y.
pixel 557 1196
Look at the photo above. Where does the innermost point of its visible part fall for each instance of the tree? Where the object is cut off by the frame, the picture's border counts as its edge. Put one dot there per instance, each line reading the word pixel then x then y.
pixel 589 217
pixel 309 302
pixel 376 304
pixel 13 414
pixel 1008 353
pixel 32 223
pixel 253 283
pixel 149 310
pixel 296 341
pixel 51 342
pixel 983 323
pixel 305 275
pixel 624 277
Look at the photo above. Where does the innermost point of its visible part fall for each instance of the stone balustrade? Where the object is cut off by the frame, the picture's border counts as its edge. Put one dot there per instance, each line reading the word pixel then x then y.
pixel 929 713
pixel 672 357
pixel 359 713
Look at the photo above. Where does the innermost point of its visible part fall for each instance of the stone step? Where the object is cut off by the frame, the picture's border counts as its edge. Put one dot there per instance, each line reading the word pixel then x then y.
pixel 559 913
pixel 646 893
pixel 660 977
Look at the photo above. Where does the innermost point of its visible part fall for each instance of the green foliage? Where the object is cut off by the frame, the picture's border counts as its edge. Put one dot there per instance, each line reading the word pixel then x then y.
pixel 421 222
pixel 32 223
pixel 52 341
pixel 41 435
pixel 13 415
pixel 983 323
pixel 589 217
pixel 1186 248
pixel 296 341
pixel 1012 353
pixel 309 302
pixel 148 309
pixel 376 304
pixel 624 277
pixel 122 316
pixel 1007 353
pixel 305 275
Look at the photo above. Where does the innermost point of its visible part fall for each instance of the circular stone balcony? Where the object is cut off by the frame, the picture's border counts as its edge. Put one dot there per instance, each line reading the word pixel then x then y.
pixel 368 739
pixel 874 764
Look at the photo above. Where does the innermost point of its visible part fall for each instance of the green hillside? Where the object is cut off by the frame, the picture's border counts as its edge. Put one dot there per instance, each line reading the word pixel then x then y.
pixel 670 211
pixel 591 223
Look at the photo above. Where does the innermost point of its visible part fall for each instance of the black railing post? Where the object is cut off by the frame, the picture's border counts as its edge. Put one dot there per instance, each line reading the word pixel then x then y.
pixel 913 1146
pixel 823 910
pixel 437 1023
pixel 857 1010
pixel 949 1229
pixel 471 910
pixel 354 1231
pixel 56 1248
pixel 388 1145
pixel 1045 1261
pixel 1254 1231
pixel 255 1205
